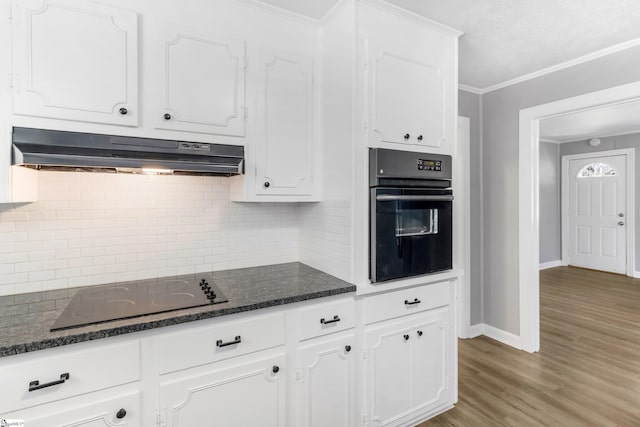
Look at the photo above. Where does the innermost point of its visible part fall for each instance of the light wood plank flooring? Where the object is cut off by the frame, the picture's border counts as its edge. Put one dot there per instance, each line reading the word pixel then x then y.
pixel 586 374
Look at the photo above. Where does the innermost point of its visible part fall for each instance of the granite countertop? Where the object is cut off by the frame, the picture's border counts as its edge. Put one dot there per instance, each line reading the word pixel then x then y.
pixel 26 319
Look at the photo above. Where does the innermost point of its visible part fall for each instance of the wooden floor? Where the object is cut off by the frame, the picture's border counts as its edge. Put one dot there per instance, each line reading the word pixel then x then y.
pixel 586 374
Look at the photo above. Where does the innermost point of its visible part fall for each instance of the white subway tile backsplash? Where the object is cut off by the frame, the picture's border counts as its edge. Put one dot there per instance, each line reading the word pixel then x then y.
pixel 95 228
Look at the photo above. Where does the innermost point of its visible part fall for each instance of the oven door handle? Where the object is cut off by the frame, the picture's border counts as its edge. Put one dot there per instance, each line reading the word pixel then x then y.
pixel 409 198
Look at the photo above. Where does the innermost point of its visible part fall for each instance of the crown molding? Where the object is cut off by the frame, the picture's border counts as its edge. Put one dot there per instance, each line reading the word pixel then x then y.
pixel 388 7
pixel 337 8
pixel 470 89
pixel 577 61
pixel 274 10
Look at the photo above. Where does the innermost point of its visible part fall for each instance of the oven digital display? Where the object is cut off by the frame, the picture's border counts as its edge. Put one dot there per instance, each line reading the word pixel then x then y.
pixel 429 165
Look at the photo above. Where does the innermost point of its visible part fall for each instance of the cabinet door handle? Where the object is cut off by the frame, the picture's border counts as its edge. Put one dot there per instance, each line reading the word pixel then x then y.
pixel 266 184
pixel 123 111
pixel 419 333
pixel 419 137
pixel 406 337
pixel 237 340
pixel 334 320
pixel 167 116
pixel 415 301
pixel 347 348
pixel 275 369
pixel 35 385
pixel 121 414
pixel 406 136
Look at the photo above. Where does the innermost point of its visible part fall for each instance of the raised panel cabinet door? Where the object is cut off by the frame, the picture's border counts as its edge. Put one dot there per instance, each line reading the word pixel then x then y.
pixel 325 387
pixel 75 60
pixel 431 355
pixel 250 394
pixel 389 381
pixel 283 143
pixel 406 94
pixel 123 410
pixel 200 82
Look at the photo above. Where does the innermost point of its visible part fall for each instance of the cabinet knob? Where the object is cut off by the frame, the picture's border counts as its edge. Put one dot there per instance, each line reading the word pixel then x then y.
pixel 419 333
pixel 121 414
pixel 406 136
pixel 167 116
pixel 347 348
pixel 406 337
pixel 275 369
pixel 266 184
pixel 419 137
pixel 124 111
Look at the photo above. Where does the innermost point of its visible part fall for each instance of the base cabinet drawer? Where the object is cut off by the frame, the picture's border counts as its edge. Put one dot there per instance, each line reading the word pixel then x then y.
pixel 250 394
pixel 121 410
pixel 56 374
pixel 202 345
pixel 327 318
pixel 406 301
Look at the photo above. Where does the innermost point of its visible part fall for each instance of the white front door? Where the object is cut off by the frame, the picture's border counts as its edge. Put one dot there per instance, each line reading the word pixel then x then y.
pixel 597 213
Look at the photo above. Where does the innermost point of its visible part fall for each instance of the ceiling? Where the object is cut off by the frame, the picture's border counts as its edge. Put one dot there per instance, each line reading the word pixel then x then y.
pixel 508 39
pixel 617 119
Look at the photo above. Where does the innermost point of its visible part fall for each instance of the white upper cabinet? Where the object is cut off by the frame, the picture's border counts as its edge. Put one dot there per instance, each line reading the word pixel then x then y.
pixel 280 151
pixel 410 76
pixel 202 82
pixel 75 61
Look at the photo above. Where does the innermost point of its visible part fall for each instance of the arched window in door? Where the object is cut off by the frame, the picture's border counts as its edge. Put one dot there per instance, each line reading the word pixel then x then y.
pixel 596 170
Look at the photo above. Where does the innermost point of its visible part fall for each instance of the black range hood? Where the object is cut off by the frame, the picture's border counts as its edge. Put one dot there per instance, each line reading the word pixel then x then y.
pixel 87 151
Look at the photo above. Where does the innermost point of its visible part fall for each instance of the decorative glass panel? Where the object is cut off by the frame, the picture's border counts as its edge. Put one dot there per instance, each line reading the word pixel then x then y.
pixel 597 170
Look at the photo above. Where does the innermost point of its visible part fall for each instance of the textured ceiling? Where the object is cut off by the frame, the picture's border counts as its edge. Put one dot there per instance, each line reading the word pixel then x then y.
pixel 508 39
pixel 611 120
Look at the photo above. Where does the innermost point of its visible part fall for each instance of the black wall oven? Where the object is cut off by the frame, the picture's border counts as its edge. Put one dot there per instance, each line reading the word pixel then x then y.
pixel 411 210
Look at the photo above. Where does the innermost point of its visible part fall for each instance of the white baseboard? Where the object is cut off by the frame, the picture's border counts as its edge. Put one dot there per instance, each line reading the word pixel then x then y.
pixel 497 334
pixel 476 330
pixel 636 274
pixel 550 264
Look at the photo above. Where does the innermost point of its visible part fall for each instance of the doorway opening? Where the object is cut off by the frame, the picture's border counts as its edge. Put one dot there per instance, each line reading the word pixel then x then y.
pixel 529 197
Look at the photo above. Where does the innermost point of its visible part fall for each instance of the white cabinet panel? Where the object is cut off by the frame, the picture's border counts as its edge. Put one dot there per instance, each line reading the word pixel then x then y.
pixel 123 410
pixel 429 356
pixel 407 98
pixel 325 390
pixel 283 142
pixel 76 61
pixel 202 84
pixel 251 394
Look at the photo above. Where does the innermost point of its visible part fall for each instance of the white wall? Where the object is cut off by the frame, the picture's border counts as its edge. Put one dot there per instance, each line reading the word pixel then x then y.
pixel 96 228
pixel 500 111
pixel 550 234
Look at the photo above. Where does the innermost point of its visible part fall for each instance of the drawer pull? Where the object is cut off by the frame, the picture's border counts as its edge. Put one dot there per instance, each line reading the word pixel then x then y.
pixel 415 301
pixel 35 385
pixel 237 340
pixel 334 320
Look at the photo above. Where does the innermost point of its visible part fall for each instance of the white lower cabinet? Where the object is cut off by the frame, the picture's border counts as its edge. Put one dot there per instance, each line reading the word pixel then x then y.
pixel 248 394
pixel 119 410
pixel 324 384
pixel 409 367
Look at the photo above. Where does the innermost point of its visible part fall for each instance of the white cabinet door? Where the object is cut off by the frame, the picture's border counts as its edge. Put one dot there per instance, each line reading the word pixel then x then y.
pixel 282 147
pixel 200 82
pixel 407 103
pixel 123 410
pixel 410 367
pixel 251 394
pixel 75 60
pixel 431 357
pixel 325 389
pixel 389 382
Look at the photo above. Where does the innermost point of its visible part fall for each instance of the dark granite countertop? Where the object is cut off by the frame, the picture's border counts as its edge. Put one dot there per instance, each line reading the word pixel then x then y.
pixel 26 319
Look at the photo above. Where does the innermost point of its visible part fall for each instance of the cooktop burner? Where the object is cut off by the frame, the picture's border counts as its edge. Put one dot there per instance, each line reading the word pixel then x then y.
pixel 134 299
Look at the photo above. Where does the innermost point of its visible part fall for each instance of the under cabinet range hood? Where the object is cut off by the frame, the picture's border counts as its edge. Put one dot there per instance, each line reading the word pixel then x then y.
pixel 44 149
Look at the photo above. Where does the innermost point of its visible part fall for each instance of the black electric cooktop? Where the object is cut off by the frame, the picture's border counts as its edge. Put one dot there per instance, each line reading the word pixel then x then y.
pixel 125 300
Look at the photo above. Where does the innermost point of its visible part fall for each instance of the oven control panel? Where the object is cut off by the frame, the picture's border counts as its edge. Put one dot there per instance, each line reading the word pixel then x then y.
pixel 429 165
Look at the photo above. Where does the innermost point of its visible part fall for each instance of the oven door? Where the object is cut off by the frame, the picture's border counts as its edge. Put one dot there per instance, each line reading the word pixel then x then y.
pixel 410 232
